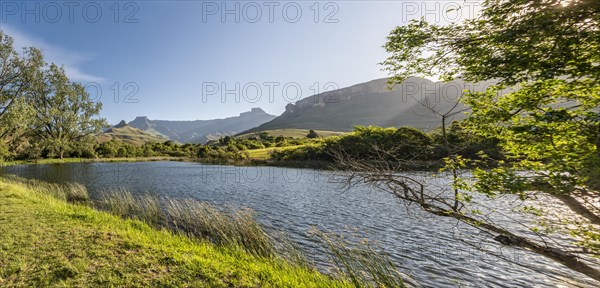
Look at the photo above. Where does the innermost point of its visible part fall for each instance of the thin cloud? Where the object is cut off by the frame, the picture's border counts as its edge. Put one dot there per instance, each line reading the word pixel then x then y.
pixel 70 60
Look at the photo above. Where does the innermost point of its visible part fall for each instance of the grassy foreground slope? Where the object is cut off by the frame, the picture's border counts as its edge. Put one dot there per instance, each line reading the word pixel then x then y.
pixel 48 242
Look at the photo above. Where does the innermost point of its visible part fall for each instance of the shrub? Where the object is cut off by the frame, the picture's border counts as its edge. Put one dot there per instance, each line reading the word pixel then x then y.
pixel 312 134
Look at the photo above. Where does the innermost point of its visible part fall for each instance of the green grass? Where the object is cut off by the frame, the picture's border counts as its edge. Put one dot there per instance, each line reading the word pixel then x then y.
pixel 44 241
pixel 222 225
pixel 265 153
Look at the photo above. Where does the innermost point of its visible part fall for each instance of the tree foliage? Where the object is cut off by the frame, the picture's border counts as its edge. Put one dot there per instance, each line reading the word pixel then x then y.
pixel 398 143
pixel 543 57
pixel 42 112
pixel 64 113
pixel 547 52
pixel 512 41
pixel 371 143
pixel 17 73
pixel 312 134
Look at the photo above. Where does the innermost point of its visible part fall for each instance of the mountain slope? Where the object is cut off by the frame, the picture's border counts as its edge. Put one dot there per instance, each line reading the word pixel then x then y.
pixel 292 132
pixel 129 135
pixel 200 131
pixel 371 103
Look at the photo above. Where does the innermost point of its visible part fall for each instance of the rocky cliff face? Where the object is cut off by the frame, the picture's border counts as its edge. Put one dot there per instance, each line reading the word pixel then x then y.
pixel 121 124
pixel 200 131
pixel 372 103
pixel 141 122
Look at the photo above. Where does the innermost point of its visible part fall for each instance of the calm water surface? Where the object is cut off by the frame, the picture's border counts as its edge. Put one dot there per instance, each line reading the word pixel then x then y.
pixel 434 251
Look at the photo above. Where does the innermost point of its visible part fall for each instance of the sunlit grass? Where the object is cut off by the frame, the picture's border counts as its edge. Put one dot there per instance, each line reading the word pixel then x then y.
pixel 265 153
pixel 198 220
pixel 48 242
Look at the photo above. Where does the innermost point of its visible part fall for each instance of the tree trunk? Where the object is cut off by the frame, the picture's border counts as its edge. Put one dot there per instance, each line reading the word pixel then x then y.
pixel 507 238
pixel 579 208
pixel 598 141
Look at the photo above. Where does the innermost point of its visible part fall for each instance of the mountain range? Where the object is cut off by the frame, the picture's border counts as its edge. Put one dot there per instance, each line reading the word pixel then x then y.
pixel 201 131
pixel 417 102
pixel 410 104
pixel 129 135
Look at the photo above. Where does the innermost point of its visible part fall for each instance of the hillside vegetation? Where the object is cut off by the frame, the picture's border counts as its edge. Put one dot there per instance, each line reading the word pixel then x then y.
pixel 129 135
pixel 373 104
pixel 292 133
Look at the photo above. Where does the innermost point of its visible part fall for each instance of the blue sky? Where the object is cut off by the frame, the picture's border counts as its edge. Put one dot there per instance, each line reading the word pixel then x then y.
pixel 164 59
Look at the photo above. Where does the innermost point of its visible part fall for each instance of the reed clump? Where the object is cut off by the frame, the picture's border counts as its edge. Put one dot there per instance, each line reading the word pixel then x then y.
pixel 364 263
pixel 196 219
pixel 220 225
pixel 123 203
pixel 73 193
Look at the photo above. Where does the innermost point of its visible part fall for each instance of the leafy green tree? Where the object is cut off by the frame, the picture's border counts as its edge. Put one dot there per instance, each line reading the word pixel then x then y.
pixel 107 149
pixel 85 148
pixel 227 140
pixel 265 136
pixel 16 75
pixel 64 112
pixel 204 151
pixel 465 143
pixel 544 60
pixel 312 134
pixel 5 153
pixel 122 152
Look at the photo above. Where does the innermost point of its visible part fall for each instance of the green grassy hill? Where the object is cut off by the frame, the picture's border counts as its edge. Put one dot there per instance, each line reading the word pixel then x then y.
pixel 372 103
pixel 129 135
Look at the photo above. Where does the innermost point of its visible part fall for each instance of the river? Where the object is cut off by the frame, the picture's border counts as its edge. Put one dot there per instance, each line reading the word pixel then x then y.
pixel 435 251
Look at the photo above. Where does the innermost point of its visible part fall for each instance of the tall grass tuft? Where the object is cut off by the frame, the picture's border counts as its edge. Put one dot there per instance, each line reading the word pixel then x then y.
pixel 199 220
pixel 74 193
pixel 225 226
pixel 365 264
pixel 122 203
pixel 289 250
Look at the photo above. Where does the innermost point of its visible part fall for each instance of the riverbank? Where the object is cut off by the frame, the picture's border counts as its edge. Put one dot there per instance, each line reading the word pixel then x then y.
pixel 321 165
pixel 45 241
pixel 304 164
pixel 92 160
